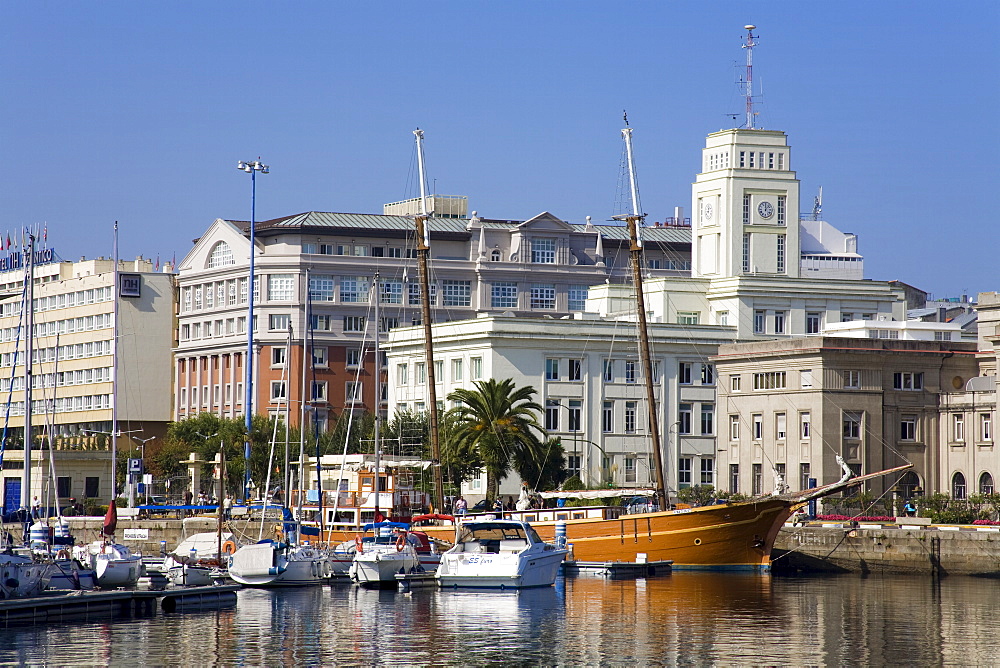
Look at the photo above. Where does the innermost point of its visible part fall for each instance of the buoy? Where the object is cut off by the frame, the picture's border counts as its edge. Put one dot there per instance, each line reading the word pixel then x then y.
pixel 359 544
pixel 401 542
pixel 229 547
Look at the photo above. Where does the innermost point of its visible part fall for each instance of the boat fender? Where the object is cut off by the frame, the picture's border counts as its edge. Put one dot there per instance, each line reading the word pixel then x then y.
pixel 327 569
pixel 229 547
pixel 401 542
pixel 359 544
pixel 62 554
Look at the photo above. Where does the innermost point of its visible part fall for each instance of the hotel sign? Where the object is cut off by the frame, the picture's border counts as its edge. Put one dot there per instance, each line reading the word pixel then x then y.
pixel 129 285
pixel 15 260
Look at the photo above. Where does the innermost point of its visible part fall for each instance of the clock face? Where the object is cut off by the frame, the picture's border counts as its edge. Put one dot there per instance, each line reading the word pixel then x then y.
pixel 708 211
pixel 765 209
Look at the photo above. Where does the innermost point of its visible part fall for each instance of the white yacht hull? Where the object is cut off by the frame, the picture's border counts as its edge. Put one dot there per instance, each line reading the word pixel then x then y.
pixel 377 569
pixel 262 565
pixel 499 571
pixel 186 575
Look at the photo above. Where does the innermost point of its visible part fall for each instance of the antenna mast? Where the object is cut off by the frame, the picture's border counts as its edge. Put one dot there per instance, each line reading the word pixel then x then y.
pixel 749 83
pixel 818 205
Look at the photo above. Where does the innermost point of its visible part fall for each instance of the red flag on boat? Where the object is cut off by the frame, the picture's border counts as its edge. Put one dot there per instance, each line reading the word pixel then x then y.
pixel 111 519
pixel 379 517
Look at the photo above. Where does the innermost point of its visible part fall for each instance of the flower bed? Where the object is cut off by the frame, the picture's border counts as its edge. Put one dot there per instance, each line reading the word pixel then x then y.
pixel 987 523
pixel 859 518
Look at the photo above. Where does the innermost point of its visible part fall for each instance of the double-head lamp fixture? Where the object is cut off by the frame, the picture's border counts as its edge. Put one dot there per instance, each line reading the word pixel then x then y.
pixel 249 166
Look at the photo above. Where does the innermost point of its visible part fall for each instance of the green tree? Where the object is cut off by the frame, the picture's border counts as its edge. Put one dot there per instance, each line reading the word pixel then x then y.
pixel 500 423
pixel 544 470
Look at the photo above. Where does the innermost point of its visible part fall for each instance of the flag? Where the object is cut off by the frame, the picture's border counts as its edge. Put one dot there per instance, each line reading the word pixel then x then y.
pixel 157 267
pixel 8 242
pixel 111 519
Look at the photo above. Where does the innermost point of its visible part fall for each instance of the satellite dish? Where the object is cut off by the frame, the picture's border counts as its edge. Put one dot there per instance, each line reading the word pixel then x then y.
pixel 750 27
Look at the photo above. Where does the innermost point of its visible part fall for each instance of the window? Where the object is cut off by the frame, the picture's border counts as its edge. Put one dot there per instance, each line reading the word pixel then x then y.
pixel 352 391
pixel 781 209
pixel 780 253
pixel 477 367
pixel 421 369
pixel 278 322
pixel 221 256
pixel 769 380
pixel 735 383
pixel 438 371
pixel 278 356
pixel 813 321
pixel 64 485
pixel 687 317
pixel 986 426
pixel 387 324
pixel 319 390
pixel 630 469
pixel 780 426
pixel 280 287
pixel 324 323
pixel 353 357
pixel 608 417
pixel 391 292
pixel 804 476
pixel 707 374
pixel 805 378
pixel 759 322
pixel 908 428
pixel 575 413
pixel 986 483
pixel 277 389
pixel 757 483
pixel 495 256
pixel 707 471
pixel 758 426
pixel 746 252
pixel 958 486
pixel 575 371
pixel 551 414
pixel 684 373
pixel 707 419
pixel 504 295
pixel 852 379
pixel 684 472
pixel 543 251
pixel 353 290
pixel 457 370
pixel 551 369
pixel 354 323
pixel 958 427
pixel 577 295
pixel 543 296
pixel 734 427
pixel 684 419
pixel 630 416
pixel 779 322
pixel 630 374
pixel 723 318
pixel 457 293
pixel 573 464
pixel 908 381
pixel 746 201
pixel 91 487
pixel 852 425
pixel 361 251
pixel 609 371
pixel 734 478
pixel 402 374
pixel 805 425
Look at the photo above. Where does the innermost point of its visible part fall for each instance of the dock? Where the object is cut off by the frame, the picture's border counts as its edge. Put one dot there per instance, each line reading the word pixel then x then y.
pixel 617 570
pixel 119 604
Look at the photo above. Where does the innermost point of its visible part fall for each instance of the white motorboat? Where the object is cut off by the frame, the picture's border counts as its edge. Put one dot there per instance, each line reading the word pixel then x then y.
pixel 69 574
pixel 272 564
pixel 499 554
pixel 22 576
pixel 380 556
pixel 196 558
pixel 114 564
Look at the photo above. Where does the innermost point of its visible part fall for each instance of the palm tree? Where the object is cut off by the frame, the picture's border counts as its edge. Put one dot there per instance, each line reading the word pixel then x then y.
pixel 500 423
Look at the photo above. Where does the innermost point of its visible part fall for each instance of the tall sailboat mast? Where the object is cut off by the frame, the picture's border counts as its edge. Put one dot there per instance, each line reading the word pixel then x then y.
pixel 29 340
pixel 114 378
pixel 378 395
pixel 635 256
pixel 423 252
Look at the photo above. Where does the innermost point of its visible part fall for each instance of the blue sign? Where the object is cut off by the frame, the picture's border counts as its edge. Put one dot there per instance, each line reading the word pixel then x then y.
pixel 135 466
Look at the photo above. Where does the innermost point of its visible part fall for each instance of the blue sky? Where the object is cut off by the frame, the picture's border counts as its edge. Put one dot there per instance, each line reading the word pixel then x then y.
pixel 139 112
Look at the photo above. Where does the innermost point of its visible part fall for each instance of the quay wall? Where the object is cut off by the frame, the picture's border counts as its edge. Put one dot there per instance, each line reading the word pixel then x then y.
pixel 173 531
pixel 889 549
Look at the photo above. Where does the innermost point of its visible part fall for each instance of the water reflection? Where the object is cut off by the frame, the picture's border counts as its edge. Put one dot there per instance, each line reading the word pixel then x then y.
pixel 678 619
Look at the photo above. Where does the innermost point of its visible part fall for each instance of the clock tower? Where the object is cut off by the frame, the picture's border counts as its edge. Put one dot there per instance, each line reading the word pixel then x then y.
pixel 744 208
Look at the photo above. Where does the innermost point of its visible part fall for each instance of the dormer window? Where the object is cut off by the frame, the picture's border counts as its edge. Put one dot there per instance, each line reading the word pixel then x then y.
pixel 543 251
pixel 495 256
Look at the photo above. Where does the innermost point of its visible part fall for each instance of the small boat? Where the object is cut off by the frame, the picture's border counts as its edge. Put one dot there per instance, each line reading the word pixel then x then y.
pixel 195 561
pixel 70 574
pixel 499 554
pixel 114 564
pixel 275 564
pixel 380 556
pixel 22 576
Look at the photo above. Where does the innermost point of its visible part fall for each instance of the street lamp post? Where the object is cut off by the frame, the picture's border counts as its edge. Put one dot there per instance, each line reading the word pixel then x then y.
pixel 251 167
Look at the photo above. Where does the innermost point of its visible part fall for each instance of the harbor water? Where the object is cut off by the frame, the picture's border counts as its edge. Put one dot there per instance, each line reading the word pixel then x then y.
pixel 683 618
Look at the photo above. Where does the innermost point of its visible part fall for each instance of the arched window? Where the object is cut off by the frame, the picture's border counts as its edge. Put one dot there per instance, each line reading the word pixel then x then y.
pixel 909 482
pixel 958 487
pixel 495 256
pixel 986 483
pixel 221 256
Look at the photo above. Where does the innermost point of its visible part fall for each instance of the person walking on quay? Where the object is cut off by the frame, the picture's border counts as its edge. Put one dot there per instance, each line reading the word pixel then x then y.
pixel 910 509
pixel 227 508
pixel 36 508
pixel 461 506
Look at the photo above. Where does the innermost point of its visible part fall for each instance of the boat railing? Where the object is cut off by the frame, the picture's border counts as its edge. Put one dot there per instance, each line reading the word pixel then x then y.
pixel 553 514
